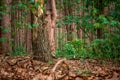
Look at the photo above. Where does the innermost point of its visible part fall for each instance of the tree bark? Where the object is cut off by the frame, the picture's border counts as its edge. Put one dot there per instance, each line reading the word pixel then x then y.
pixel 99 31
pixel 0 32
pixel 41 37
pixel 51 23
pixel 6 24
pixel 67 12
pixel 29 35
pixel 79 33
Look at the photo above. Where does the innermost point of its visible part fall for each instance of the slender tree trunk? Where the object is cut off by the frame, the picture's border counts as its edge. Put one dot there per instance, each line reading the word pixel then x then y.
pixel 29 34
pixel 79 30
pixel 20 31
pixel 79 33
pixel 0 32
pixel 6 24
pixel 51 23
pixel 0 38
pixel 99 31
pixel 68 27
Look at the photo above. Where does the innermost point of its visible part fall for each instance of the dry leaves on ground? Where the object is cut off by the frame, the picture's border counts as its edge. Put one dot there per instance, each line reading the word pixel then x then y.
pixel 25 68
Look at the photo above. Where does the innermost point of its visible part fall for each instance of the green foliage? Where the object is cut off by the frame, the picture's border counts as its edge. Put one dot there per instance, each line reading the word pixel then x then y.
pixel 99 48
pixel 73 49
pixel 68 51
pixel 19 51
pixel 3 39
pixel 4 29
pixel 106 47
pixel 18 22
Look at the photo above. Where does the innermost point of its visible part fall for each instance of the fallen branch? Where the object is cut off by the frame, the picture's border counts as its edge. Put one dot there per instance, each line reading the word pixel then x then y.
pixel 56 65
pixel 61 63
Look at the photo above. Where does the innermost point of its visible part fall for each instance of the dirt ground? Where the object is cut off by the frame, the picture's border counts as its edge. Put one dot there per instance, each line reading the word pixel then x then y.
pixel 25 68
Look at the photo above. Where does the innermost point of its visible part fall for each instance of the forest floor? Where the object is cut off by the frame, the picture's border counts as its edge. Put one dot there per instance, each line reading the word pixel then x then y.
pixel 25 68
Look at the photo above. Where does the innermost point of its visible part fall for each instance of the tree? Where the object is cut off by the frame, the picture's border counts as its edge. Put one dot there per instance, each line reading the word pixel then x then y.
pixel 44 40
pixel 0 31
pixel 20 24
pixel 99 31
pixel 51 23
pixel 5 26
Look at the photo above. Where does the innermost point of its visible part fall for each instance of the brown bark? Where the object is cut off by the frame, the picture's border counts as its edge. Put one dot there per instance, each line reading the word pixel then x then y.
pixel 6 24
pixel 79 30
pixel 45 42
pixel 0 37
pixel 51 23
pixel 20 33
pixel 69 9
pixel 40 38
pixel 0 42
pixel 79 33
pixel 99 31
pixel 67 12
pixel 0 32
pixel 29 35
pixel 15 29
pixel 69 32
pixel 35 16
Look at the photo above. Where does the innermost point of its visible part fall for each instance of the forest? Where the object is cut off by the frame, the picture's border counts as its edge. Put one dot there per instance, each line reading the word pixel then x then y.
pixel 59 39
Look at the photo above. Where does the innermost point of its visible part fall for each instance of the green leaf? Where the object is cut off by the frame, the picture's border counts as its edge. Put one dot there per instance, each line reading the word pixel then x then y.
pixel 32 1
pixel 29 26
pixel 3 39
pixel 35 25
pixel 5 30
pixel 113 23
pixel 94 11
pixel 19 24
pixel 2 12
pixel 96 25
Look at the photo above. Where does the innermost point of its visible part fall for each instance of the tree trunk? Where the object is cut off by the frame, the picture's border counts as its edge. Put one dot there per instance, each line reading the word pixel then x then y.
pixel 99 31
pixel 0 38
pixel 6 24
pixel 51 23
pixel 79 30
pixel 68 10
pixel 0 32
pixel 21 34
pixel 41 36
pixel 29 35
pixel 79 34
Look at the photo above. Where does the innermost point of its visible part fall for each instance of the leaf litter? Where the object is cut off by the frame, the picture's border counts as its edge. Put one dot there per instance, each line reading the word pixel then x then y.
pixel 25 68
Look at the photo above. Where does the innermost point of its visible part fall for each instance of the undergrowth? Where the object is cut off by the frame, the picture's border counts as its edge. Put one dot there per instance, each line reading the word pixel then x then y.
pixel 19 51
pixel 96 49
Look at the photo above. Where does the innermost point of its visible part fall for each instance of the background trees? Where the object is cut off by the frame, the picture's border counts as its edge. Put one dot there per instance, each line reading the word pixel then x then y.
pixel 71 28
pixel 95 27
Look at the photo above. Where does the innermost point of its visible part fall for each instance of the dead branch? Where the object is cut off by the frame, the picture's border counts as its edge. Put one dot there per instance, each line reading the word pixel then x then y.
pixel 56 65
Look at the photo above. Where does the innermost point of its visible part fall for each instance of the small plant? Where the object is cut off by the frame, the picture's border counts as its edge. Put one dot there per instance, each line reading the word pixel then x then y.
pixel 19 51
pixel 50 62
pixel 73 49
pixel 88 72
pixel 68 51
pixel 79 72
